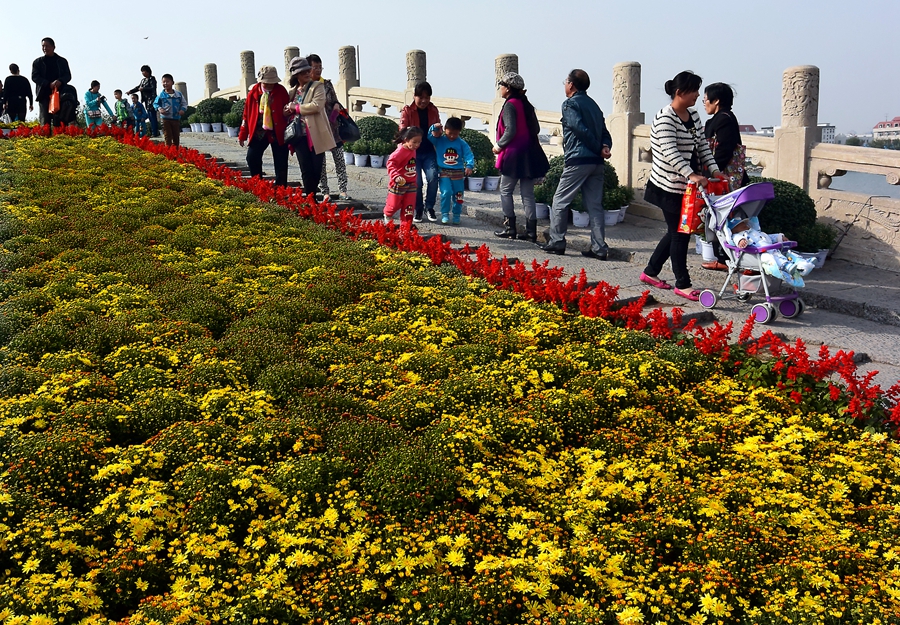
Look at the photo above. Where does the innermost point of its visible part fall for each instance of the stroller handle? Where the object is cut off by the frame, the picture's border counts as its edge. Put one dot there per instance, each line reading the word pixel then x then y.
pixel 784 245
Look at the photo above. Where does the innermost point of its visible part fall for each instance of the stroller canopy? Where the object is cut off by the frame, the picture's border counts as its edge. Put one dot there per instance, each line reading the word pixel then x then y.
pixel 741 204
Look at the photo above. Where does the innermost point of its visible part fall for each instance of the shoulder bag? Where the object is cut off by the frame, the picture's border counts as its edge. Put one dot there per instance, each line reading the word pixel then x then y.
pixel 347 128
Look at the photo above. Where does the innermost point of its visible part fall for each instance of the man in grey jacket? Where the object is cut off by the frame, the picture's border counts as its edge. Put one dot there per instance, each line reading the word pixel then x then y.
pixel 586 143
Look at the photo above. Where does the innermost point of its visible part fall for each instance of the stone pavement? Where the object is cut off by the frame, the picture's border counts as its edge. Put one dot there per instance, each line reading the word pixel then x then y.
pixel 849 306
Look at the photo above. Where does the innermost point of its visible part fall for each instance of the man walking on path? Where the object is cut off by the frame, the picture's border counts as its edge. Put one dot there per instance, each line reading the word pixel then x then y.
pixel 48 72
pixel 16 91
pixel 148 97
pixel 586 143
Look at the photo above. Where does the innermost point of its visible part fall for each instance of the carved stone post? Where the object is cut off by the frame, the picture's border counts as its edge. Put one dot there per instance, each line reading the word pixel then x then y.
pixel 415 73
pixel 248 71
pixel 347 78
pixel 289 53
pixel 626 115
pixel 210 80
pixel 182 87
pixel 799 125
pixel 502 64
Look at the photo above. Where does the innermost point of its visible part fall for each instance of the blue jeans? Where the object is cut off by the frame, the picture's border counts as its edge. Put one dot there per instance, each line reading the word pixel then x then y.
pixel 154 120
pixel 451 197
pixel 426 163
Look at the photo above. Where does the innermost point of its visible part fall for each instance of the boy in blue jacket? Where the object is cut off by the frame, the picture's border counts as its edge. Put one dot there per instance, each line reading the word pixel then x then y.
pixel 455 161
pixel 140 115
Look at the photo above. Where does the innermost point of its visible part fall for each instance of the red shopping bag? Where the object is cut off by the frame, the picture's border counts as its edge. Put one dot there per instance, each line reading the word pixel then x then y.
pixel 53 107
pixel 691 205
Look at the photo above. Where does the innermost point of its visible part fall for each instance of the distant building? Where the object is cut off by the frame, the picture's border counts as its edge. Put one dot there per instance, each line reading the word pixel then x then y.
pixel 747 129
pixel 827 133
pixel 887 130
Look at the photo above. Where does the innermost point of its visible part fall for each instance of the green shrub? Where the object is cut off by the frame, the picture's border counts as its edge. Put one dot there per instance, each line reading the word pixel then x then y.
pixel 212 109
pixel 482 148
pixel 818 236
pixel 790 213
pixel 375 127
pixel 237 107
pixel 232 119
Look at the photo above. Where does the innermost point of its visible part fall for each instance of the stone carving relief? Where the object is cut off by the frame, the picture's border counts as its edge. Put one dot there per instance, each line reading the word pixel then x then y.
pixel 347 63
pixel 503 64
pixel 800 97
pixel 627 88
pixel 415 67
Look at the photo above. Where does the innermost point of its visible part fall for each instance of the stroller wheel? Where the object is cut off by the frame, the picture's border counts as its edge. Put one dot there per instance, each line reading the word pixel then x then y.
pixel 790 308
pixel 708 299
pixel 764 313
pixel 744 296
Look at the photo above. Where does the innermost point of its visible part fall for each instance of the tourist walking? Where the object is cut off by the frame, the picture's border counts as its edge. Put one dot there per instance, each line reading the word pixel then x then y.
pixel 455 162
pixel 147 89
pixel 423 114
pixel 264 124
pixel 17 96
pixel 724 136
pixel 520 157
pixel 171 105
pixel 49 73
pixel 586 143
pixel 401 168
pixel 307 99
pixel 93 116
pixel 679 150
pixel 332 110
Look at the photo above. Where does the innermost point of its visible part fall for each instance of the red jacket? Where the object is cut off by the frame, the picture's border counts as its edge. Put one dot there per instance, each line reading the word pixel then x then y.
pixel 409 116
pixel 278 97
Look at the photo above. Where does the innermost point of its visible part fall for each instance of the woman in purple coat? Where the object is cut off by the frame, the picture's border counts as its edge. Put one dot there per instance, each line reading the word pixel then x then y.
pixel 520 157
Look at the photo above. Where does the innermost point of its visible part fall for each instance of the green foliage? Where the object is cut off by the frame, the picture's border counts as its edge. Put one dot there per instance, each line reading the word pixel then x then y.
pixel 819 236
pixel 485 167
pixel 375 127
pixel 357 147
pixel 380 147
pixel 232 119
pixel 481 145
pixel 791 212
pixel 212 109
pixel 238 107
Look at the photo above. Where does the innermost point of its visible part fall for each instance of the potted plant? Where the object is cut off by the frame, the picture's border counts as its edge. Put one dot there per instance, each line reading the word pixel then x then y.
pixel 612 205
pixel 232 123
pixel 628 196
pixel 360 151
pixel 476 180
pixel 487 167
pixel 194 121
pixel 216 122
pixel 205 120
pixel 542 199
pixel 378 150
pixel 815 241
pixel 348 153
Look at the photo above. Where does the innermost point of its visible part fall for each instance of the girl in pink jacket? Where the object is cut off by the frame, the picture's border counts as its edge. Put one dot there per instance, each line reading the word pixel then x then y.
pixel 401 168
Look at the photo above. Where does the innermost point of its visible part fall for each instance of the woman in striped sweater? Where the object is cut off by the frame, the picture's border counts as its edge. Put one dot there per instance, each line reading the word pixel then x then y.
pixel 679 150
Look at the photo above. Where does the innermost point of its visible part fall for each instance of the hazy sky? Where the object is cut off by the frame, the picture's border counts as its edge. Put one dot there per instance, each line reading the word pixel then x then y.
pixel 746 44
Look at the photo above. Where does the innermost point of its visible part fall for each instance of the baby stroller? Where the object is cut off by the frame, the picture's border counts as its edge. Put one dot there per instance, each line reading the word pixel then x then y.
pixel 745 203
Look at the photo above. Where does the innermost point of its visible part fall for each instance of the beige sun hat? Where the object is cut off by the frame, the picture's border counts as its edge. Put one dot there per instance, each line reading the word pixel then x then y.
pixel 267 75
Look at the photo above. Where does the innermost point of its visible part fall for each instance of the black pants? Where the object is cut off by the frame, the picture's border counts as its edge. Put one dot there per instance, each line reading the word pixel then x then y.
pixel 672 246
pixel 44 115
pixel 310 167
pixel 17 110
pixel 255 150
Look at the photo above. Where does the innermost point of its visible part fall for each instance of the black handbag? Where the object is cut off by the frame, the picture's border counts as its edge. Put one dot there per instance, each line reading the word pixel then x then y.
pixel 347 128
pixel 295 131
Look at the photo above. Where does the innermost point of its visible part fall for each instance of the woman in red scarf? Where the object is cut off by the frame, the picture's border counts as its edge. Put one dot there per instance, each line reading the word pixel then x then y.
pixel 264 124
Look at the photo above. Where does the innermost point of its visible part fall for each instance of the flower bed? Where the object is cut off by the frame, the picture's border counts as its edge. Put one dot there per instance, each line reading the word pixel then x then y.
pixel 213 411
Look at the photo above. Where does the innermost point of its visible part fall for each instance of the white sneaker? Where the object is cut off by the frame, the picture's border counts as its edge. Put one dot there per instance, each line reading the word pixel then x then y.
pixel 417 219
pixel 431 215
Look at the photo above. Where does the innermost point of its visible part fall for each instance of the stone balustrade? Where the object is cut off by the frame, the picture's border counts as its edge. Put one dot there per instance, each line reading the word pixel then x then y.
pixel 794 154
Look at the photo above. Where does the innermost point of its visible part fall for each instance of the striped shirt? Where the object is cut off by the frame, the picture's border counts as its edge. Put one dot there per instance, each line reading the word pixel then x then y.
pixel 672 145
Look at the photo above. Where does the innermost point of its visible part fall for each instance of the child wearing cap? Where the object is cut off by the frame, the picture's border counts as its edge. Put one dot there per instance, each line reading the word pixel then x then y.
pixel 171 106
pixel 455 161
pixel 784 265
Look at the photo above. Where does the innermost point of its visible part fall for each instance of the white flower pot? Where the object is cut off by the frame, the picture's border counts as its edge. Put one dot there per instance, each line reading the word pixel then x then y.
pixel 376 160
pixel 622 212
pixel 706 249
pixel 232 132
pixel 476 184
pixel 542 211
pixel 216 126
pixel 361 160
pixel 491 183
pixel 348 158
pixel 580 219
pixel 611 218
pixel 195 127
pixel 205 127
pixel 697 247
pixel 816 258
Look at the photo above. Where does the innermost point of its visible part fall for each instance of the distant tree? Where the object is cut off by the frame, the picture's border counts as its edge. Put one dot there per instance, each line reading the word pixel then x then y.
pixel 877 143
pixel 854 141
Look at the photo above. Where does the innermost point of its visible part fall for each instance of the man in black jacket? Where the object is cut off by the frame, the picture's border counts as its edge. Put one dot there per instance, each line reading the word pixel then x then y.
pixel 147 89
pixel 48 72
pixel 17 90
